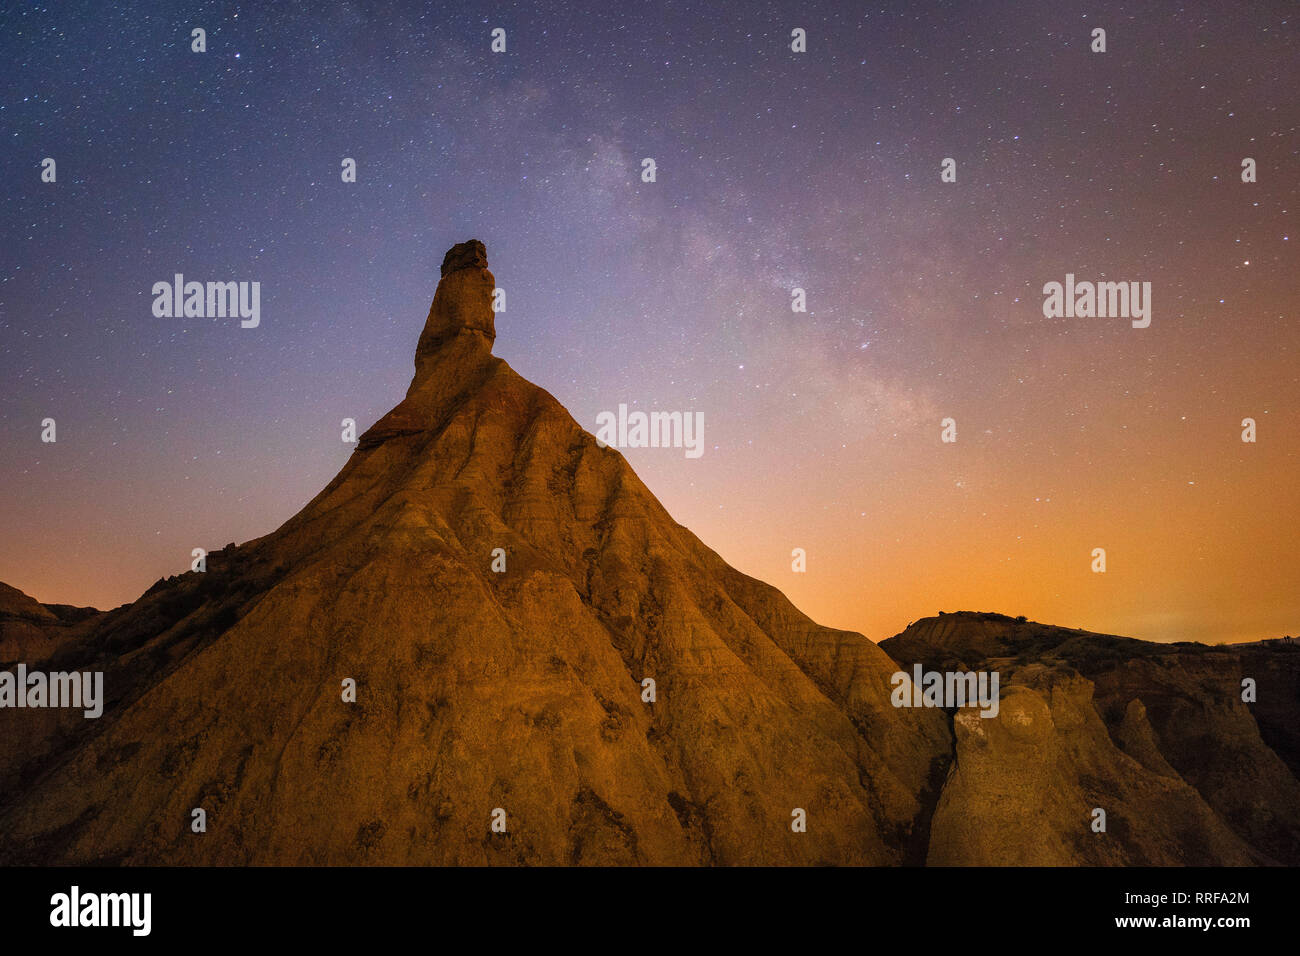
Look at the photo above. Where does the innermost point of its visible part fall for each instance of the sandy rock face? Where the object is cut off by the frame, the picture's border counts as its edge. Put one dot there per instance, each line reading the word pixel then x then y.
pixel 454 354
pixel 25 626
pixel 1158 736
pixel 462 302
pixel 1026 787
pixel 35 632
pixel 478 690
pixel 1213 739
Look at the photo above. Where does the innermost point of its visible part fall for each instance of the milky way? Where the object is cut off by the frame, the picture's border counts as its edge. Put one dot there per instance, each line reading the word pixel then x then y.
pixel 775 170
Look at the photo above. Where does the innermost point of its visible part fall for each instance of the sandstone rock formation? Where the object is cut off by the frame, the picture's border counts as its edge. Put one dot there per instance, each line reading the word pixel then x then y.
pixel 521 689
pixel 1156 735
pixel 478 690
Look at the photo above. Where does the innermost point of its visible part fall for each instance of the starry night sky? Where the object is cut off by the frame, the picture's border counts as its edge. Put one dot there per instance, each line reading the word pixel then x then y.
pixel 774 170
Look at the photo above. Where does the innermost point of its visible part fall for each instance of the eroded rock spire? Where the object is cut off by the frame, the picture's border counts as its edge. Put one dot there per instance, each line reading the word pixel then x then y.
pixel 463 301
pixel 454 349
